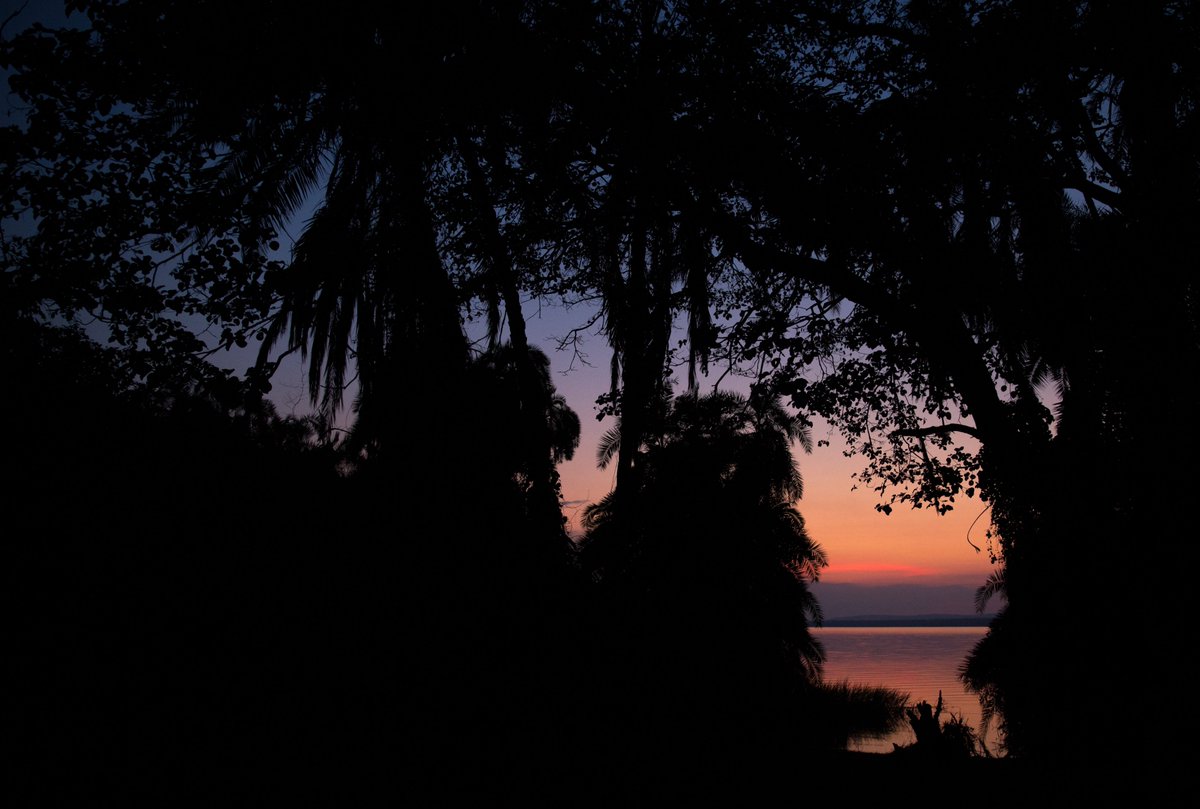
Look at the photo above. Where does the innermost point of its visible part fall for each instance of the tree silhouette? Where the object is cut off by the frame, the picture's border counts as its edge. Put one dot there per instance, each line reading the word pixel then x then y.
pixel 883 210
pixel 704 571
pixel 1005 219
pixel 182 179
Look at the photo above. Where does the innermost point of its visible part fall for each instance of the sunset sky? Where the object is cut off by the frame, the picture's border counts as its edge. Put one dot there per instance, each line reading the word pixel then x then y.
pixel 864 546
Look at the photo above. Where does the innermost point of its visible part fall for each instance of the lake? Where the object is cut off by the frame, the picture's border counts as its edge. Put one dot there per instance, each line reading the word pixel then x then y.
pixel 916 660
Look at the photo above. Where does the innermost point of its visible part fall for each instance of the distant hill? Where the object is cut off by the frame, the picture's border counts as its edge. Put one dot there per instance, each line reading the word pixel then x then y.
pixel 844 601
pixel 910 620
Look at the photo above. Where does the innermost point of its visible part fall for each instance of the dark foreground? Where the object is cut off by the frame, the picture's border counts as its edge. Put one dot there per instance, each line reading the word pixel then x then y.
pixel 848 779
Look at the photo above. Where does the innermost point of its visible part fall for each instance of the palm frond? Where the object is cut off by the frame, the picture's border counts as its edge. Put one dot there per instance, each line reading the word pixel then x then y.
pixel 995 584
pixel 276 166
pixel 609 446
pixel 598 513
pixel 803 557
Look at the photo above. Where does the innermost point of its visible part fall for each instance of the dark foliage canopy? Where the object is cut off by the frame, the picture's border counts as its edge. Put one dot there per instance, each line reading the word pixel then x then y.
pixel 960 232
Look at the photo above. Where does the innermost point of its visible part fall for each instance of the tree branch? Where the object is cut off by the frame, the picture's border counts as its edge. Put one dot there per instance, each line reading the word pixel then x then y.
pixel 942 429
pixel 866 29
pixel 835 277
pixel 1108 196
pixel 1094 147
pixel 11 17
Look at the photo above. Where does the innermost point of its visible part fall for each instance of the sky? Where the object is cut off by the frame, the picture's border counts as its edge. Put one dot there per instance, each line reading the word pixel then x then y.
pixel 865 546
pixel 911 562
pixel 904 550
pixel 908 562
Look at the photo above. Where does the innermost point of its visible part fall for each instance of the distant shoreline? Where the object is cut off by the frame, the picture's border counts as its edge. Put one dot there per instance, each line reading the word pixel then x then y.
pixel 908 620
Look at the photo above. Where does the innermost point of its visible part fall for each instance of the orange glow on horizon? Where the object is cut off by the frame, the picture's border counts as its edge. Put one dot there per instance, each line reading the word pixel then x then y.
pixel 876 570
pixel 863 546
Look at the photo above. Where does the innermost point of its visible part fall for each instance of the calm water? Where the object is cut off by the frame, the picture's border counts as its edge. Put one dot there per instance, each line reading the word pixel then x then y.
pixel 916 660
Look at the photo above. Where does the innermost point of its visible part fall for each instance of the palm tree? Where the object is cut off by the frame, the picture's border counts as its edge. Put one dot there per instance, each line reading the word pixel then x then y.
pixel 704 571
pixel 354 132
pixel 717 460
pixel 459 548
pixel 987 670
pixel 990 673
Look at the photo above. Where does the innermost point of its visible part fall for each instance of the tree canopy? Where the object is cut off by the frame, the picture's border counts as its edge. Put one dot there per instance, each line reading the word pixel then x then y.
pixel 961 232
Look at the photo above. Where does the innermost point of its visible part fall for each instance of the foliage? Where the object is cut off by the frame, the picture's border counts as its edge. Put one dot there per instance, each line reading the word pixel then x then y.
pixel 941 741
pixel 974 260
pixel 107 219
pixel 703 573
pixel 718 454
pixel 961 740
pixel 957 741
pixel 855 711
pixel 980 220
